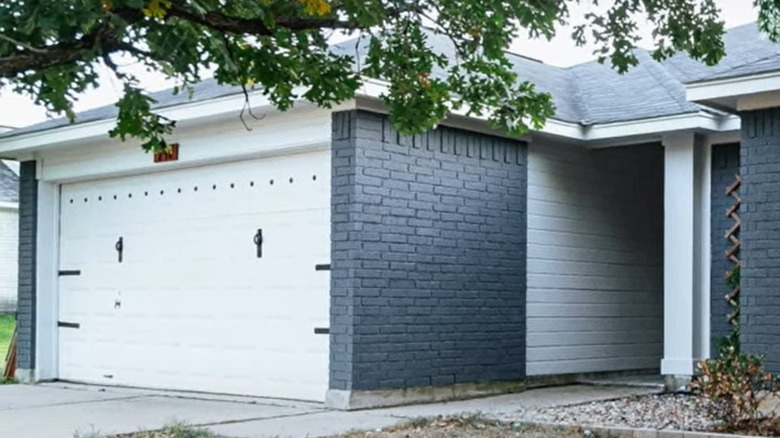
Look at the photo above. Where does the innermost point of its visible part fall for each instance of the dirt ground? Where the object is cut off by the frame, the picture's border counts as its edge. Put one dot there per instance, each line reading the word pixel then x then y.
pixel 454 427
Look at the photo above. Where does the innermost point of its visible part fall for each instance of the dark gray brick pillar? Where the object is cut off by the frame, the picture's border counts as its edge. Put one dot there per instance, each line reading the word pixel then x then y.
pixel 725 165
pixel 28 217
pixel 760 253
pixel 428 256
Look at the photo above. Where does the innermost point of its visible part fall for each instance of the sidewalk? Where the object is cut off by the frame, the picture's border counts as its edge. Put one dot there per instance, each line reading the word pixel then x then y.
pixel 60 411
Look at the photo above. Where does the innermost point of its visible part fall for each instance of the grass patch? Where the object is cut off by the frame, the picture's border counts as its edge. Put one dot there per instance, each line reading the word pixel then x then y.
pixel 177 430
pixel 7 325
pixel 473 426
pixel 465 426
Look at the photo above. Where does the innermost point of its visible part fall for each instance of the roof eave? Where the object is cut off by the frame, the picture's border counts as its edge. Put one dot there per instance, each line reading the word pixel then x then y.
pixel 22 146
pixel 738 93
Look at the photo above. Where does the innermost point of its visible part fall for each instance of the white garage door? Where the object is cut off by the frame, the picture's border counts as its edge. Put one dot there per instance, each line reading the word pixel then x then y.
pixel 201 279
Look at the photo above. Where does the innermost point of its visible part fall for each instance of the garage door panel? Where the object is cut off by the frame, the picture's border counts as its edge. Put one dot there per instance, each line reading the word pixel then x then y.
pixel 191 305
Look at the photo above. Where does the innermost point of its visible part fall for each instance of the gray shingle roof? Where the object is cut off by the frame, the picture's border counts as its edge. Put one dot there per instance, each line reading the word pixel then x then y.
pixel 205 90
pixel 9 184
pixel 744 45
pixel 588 93
pixel 645 91
pixel 766 65
pixel 553 80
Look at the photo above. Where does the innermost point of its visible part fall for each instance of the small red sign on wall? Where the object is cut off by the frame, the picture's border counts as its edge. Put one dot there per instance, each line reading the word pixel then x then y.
pixel 172 154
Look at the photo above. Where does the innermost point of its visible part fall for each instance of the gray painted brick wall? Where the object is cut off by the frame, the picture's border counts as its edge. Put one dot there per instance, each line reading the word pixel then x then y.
pixel 28 217
pixel 725 164
pixel 760 296
pixel 428 256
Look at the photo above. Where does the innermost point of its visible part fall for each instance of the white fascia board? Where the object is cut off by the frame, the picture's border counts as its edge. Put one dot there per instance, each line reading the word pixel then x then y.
pixel 374 88
pixel 701 121
pixel 560 128
pixel 733 87
pixel 187 112
pixel 23 145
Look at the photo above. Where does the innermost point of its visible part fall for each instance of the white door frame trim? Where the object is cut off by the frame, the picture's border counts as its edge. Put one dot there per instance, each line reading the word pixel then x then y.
pixel 705 248
pixel 47 280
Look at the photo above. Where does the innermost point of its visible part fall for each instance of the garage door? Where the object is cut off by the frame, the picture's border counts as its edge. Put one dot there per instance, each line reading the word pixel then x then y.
pixel 207 279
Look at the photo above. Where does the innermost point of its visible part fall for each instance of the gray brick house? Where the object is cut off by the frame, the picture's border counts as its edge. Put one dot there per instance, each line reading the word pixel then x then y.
pixel 323 256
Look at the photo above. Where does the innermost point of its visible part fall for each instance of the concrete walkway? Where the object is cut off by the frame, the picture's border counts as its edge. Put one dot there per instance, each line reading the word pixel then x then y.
pixel 62 411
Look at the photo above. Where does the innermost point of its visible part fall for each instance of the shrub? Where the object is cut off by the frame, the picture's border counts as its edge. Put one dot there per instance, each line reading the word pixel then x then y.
pixel 735 385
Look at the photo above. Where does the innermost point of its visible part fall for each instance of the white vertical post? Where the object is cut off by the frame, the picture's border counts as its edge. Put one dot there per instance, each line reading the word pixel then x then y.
pixel 47 265
pixel 704 189
pixel 685 244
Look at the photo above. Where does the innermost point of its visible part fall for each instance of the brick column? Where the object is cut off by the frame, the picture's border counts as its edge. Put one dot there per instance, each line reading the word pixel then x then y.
pixel 760 234
pixel 26 311
pixel 428 262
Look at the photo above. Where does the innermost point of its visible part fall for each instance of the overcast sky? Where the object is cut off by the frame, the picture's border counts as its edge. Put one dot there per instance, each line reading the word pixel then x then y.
pixel 17 111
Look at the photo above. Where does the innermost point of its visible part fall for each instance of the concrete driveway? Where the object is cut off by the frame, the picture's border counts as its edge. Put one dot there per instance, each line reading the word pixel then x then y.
pixel 65 411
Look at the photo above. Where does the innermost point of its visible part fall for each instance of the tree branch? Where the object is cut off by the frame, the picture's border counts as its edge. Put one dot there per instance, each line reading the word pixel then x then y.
pixel 141 53
pixel 254 26
pixel 105 36
pixel 21 44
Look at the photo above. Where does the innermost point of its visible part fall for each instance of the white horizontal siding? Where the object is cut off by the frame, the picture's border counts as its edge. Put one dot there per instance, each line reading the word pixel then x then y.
pixel 9 232
pixel 595 294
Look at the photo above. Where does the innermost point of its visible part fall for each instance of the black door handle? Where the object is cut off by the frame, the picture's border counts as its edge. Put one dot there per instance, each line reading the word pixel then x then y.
pixel 119 247
pixel 259 242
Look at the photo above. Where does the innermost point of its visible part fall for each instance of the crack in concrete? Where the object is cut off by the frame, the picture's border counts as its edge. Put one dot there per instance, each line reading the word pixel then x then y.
pixel 291 405
pixel 249 420
pixel 72 403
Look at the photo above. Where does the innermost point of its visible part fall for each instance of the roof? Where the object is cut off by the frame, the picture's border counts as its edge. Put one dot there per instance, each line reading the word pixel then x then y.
pixel 204 90
pixel 745 47
pixel 766 65
pixel 587 94
pixel 9 184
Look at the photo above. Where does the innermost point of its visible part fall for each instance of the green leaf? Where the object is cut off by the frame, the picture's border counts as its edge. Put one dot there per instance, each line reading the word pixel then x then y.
pixel 436 55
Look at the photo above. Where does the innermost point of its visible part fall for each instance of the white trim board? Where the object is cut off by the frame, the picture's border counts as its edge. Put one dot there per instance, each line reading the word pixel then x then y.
pixel 743 93
pixel 648 129
pixel 736 86
pixel 305 129
pixel 225 108
pixel 190 114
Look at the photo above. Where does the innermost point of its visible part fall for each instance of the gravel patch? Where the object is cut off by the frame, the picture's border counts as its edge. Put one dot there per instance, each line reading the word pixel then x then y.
pixel 659 411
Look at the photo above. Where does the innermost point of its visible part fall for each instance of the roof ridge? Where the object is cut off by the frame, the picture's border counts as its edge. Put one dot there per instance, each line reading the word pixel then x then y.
pixel 579 104
pixel 655 67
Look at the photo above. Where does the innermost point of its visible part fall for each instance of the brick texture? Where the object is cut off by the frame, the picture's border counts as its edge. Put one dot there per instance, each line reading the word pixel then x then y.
pixel 28 216
pixel 760 297
pixel 428 256
pixel 725 164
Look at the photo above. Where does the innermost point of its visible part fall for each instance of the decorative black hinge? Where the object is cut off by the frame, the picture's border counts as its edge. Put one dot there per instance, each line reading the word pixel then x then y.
pixel 321 330
pixel 68 273
pixel 120 246
pixel 65 324
pixel 259 242
pixel 322 267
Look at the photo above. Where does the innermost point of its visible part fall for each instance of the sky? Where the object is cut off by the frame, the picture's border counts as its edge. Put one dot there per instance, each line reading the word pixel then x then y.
pixel 18 111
